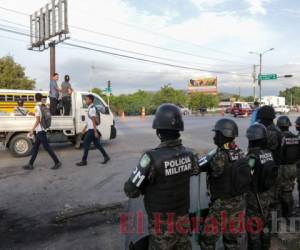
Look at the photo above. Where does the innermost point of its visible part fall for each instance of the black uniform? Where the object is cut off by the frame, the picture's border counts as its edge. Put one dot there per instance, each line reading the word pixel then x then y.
pixel 227 180
pixel 260 198
pixel 163 177
pixel 288 172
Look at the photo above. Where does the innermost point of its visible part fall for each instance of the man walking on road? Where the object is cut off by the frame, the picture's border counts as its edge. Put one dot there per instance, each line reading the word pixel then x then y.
pixel 92 134
pixel 40 136
pixel 54 94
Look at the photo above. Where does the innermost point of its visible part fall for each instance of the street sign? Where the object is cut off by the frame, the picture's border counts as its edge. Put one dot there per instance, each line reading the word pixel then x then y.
pixel 267 77
pixel 108 90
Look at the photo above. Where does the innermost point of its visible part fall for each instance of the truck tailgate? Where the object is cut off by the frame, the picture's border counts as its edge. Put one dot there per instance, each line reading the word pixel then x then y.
pixel 25 123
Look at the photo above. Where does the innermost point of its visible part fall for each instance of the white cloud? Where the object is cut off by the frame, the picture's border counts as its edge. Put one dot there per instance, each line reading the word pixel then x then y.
pixel 224 31
pixel 203 4
pixel 257 6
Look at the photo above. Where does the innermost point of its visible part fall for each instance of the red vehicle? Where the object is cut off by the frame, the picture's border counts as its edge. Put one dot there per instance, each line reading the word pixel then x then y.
pixel 241 109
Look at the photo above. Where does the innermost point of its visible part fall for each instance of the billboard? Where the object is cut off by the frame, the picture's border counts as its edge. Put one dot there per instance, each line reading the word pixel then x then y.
pixel 49 24
pixel 207 85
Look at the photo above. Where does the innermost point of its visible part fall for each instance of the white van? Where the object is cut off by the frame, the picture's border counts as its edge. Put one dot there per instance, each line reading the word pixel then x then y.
pixel 14 129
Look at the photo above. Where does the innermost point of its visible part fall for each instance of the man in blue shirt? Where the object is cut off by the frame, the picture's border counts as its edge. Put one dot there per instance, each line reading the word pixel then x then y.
pixel 54 94
pixel 254 113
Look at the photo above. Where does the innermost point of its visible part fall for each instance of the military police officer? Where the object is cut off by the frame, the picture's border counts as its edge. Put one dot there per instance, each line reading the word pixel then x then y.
pixel 163 177
pixel 264 175
pixel 219 166
pixel 266 115
pixel 289 155
pixel 297 124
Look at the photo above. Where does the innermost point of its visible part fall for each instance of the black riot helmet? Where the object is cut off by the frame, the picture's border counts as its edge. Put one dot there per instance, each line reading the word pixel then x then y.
pixel 168 117
pixel 265 113
pixel 227 128
pixel 256 132
pixel 283 121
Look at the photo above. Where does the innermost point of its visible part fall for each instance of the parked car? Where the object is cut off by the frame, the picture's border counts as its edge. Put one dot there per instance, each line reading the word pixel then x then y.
pixel 284 109
pixel 241 109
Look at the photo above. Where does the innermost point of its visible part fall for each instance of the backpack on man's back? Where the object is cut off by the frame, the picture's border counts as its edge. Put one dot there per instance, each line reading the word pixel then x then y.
pixel 46 116
pixel 98 115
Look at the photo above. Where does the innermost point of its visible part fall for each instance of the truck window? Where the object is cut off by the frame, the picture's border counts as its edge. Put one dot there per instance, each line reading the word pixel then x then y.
pixel 99 104
pixel 2 98
pixel 84 105
pixel 31 98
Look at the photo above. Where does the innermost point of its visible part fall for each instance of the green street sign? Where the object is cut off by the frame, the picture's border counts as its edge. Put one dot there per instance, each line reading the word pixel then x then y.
pixel 108 90
pixel 267 77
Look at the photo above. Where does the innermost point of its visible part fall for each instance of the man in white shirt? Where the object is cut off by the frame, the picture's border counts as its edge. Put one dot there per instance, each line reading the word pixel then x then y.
pixel 92 134
pixel 40 137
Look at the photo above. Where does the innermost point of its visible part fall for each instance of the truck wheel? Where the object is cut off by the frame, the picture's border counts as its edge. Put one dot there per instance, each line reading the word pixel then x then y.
pixel 20 145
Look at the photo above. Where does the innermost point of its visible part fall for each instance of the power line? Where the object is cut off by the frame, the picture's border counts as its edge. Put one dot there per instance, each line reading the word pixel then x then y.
pixel 172 38
pixel 138 53
pixel 129 57
pixel 14 32
pixel 147 60
pixel 10 22
pixel 14 11
pixel 154 46
pixel 136 42
pixel 13 38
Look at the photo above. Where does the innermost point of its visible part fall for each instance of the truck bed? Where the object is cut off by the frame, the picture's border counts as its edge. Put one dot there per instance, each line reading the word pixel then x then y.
pixel 25 123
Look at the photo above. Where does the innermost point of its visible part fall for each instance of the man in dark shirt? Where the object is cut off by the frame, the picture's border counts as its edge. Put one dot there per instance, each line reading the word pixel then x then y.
pixel 66 93
pixel 54 94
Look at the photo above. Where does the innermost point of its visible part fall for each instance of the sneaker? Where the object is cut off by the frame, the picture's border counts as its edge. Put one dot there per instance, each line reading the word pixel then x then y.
pixel 57 165
pixel 82 163
pixel 28 166
pixel 106 159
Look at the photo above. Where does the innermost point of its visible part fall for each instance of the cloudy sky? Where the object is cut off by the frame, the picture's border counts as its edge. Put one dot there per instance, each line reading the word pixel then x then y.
pixel 207 35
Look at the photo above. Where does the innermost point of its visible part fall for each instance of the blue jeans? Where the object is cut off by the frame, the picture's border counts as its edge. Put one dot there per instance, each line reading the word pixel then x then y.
pixel 41 138
pixel 89 138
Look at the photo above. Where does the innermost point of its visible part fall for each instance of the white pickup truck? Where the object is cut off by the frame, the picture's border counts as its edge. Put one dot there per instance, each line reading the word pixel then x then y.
pixel 284 109
pixel 14 129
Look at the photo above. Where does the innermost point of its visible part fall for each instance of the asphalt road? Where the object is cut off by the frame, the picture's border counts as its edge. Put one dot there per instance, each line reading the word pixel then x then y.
pixel 32 200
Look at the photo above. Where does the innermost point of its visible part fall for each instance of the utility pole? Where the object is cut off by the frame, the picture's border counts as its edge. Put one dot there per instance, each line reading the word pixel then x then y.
pixel 254 81
pixel 259 79
pixel 52 59
pixel 260 68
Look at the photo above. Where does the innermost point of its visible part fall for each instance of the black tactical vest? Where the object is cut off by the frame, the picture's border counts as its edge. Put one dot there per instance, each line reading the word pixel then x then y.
pixel 170 186
pixel 274 141
pixel 265 171
pixel 290 148
pixel 221 187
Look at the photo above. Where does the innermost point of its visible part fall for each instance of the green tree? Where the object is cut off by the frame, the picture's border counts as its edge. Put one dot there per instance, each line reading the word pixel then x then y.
pixel 291 94
pixel 12 75
pixel 198 100
pixel 99 92
pixel 167 94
